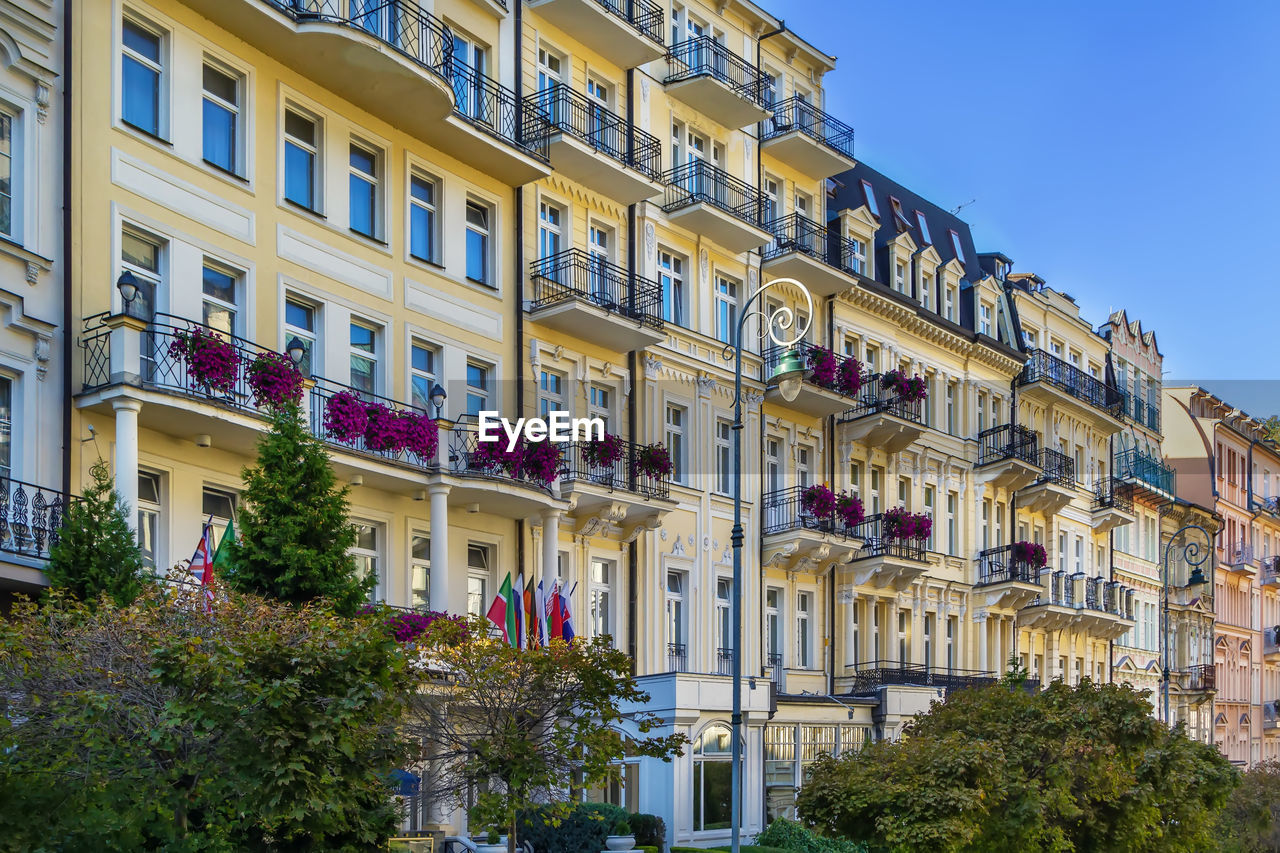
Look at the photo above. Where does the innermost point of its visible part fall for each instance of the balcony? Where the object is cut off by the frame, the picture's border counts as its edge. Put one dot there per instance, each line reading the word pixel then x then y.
pixel 677 657
pixel 593 146
pixel 30 517
pixel 1145 473
pixel 1105 607
pixel 797 540
pixel 1271 642
pixel 1270 572
pixel 1005 580
pixel 713 203
pixel 884 562
pixel 809 140
pixel 1238 556
pixel 724 661
pixel 613 496
pixel 1054 608
pixel 882 418
pixel 815 398
pixel 1270 716
pixel 1202 677
pixel 1141 413
pixel 1049 380
pixel 1008 456
pixel 479 483
pixel 866 678
pixel 492 130
pixel 1112 505
pixel 1056 486
pixel 403 53
pixel 631 30
pixel 800 250
pixel 716 82
pixel 596 301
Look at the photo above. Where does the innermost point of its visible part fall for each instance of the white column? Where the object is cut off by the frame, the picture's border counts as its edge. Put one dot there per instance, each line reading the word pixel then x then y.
pixel 441 597
pixel 550 541
pixel 126 410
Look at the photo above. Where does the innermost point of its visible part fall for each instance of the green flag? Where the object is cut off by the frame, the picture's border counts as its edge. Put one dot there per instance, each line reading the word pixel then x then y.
pixel 502 612
pixel 222 557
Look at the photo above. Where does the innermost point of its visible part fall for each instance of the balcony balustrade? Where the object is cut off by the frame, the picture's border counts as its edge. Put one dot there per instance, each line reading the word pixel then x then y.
pixel 882 418
pixel 1142 413
pixel 1202 677
pixel 808 139
pixel 1006 579
pixel 773 667
pixel 797 539
pixel 631 29
pixel 1271 640
pixel 709 201
pixel 622 474
pixel 494 130
pixel 579 130
pixel 1270 572
pixel 30 518
pixel 784 511
pixel 1144 471
pixel 886 561
pixel 590 298
pixel 866 678
pixel 715 81
pixel 1056 486
pixel 1051 380
pixel 677 657
pixel 802 249
pixel 1008 456
pixel 819 396
pixel 1112 504
pixel 724 661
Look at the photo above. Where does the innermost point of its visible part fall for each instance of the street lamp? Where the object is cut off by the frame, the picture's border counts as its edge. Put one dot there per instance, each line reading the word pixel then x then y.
pixel 127 284
pixel 787 376
pixel 296 349
pixel 1194 554
pixel 437 398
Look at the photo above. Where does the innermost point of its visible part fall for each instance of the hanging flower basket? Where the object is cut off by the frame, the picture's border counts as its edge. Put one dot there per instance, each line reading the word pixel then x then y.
pixel 603 453
pixel 211 362
pixel 849 377
pixel 850 510
pixel 653 460
pixel 274 380
pixel 818 501
pixel 822 367
pixel 345 417
pixel 382 433
pixel 492 457
pixel 420 434
pixel 902 525
pixel 1032 554
pixel 540 462
pixel 912 390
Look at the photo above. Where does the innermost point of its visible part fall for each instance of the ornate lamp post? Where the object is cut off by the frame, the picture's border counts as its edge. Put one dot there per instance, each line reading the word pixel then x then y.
pixel 787 375
pixel 1194 554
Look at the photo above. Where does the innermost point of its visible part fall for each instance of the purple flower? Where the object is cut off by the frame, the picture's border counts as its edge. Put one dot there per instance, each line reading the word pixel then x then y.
pixel 603 453
pixel 822 366
pixel 1031 553
pixel 211 361
pixel 818 501
pixel 540 462
pixel 382 429
pixel 911 390
pixel 345 417
pixel 849 377
pixel 900 524
pixel 274 380
pixel 420 434
pixel 850 509
pixel 653 460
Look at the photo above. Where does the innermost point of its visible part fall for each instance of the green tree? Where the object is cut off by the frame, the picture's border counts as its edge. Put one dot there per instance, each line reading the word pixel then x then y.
pixel 1003 769
pixel 96 551
pixel 294 531
pixel 1272 426
pixel 257 726
pixel 517 725
pixel 1250 821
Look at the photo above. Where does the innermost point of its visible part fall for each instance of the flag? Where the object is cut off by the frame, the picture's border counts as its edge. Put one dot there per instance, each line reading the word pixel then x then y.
pixel 556 614
pixel 202 562
pixel 566 618
pixel 517 598
pixel 503 611
pixel 540 605
pixel 530 619
pixel 222 556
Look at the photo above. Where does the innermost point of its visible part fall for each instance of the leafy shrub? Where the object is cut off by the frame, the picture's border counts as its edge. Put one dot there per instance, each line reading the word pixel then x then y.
pixel 646 848
pixel 791 836
pixel 583 831
pixel 650 831
pixel 755 848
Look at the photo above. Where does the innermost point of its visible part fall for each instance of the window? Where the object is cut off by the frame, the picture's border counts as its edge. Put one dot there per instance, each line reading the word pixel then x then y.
pixel 877 477
pixel 550 241
pixel 423 370
pixel 301 150
pixel 957 245
pixel 857 256
pixel 772 626
pixel 300 323
pixel 951 642
pixel 470 64
pixel 6 427
pixel 601 602
pixel 726 309
pixel 854 652
pixel 140 254
pixel 926 290
pixel 600 405
pixel 423 237
pixel 930 499
pixel 771 203
pixel 141 76
pixel 928 639
pixel 712 772
pixel 803 477
pixel 478 217
pixel 477 578
pixel 870 196
pixel 900 277
pixel 675 441
pixel 949 303
pixel 924 227
pixel 6 174
pixel 364 358
pixel 671 277
pixel 364 192
pixel 675 608
pixel 219 506
pixel 550 393
pixel 804 630
pixel 477 388
pixel 953 541
pixel 365 554
pixel 900 218
pixel 951 408
pixel 984 319
pixel 219 307
pixel 420 571
pixel 1031 338
pixel 724 473
pixel 902 637
pixel 724 599
pixel 221 118
pixel 148 516
pixel 772 464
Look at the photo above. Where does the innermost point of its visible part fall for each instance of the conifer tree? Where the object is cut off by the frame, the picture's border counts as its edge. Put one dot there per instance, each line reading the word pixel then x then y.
pixel 294 530
pixel 96 551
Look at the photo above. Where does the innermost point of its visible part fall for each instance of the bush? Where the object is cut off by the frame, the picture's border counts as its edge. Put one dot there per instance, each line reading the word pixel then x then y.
pixel 646 848
pixel 789 835
pixel 583 831
pixel 650 831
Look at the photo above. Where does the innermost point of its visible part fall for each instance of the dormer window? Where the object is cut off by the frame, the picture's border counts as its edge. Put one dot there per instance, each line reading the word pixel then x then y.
pixel 984 319
pixel 955 243
pixel 870 196
pixel 1031 339
pixel 926 290
pixel 924 227
pixel 900 277
pixel 903 223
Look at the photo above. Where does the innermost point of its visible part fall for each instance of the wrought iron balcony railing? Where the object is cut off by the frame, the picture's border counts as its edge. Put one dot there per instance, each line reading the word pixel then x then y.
pixel 999 565
pixel 773 354
pixel 876 544
pixel 724 661
pixel 700 181
pixel 773 666
pixel 677 657
pixel 495 109
pixel 1142 413
pixel 784 510
pixel 796 233
pixel 1112 493
pixel 869 676
pixel 1270 573
pixel 796 113
pixel 576 274
pixel 30 518
pixel 1202 676
pixel 1134 464
pixel 645 16
pixel 624 473
pixel 324 391
pixel 1059 589
pixel 1008 441
pixel 559 109
pixel 466 459
pixel 1044 367
pixel 703 56
pixel 874 400
pixel 402 25
pixel 1058 468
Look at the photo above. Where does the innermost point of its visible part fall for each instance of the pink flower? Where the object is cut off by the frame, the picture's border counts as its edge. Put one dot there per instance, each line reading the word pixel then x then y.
pixel 274 380
pixel 211 361
pixel 603 453
pixel 822 364
pixel 818 501
pixel 345 417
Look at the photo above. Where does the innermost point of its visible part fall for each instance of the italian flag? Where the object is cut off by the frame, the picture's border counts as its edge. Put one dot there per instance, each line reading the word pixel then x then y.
pixel 503 611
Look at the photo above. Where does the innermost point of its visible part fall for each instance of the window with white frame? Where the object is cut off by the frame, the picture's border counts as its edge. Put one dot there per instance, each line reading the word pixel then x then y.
pixel 479 249
pixel 6 427
pixel 141 254
pixel 220 117
pixel 982 411
pixel 855 479
pixel 424 234
pixel 724 474
pixel 984 319
pixel 302 135
pixel 142 75
pixel 424 361
pixel 550 393
pixel 953 540
pixel 148 514
pixel 600 608
pixel 712 777
pixel 420 571
pixel 300 322
pixel 930 510
pixel 675 610
pixel 477 578
pixel 903 656
pixel 926 290
pixel 869 196
pixel 900 277
pixel 949 303
pixel 773 626
pixel 957 245
pixel 857 255
pixel 7 184
pixel 550 233
pixel 364 357
pixel 220 294
pixel 671 278
pixel 724 599
pixel 804 465
pixel 924 227
pixel 364 189
pixel 877 480
pixel 366 557
pixel 675 427
pixel 928 639
pixel 804 630
pixel 726 309
pixel 479 378
pixel 951 408
pixel 600 405
pixel 951 642
pixel 219 506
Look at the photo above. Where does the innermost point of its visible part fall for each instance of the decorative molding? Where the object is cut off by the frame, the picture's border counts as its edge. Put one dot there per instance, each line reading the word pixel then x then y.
pixel 652 365
pixel 650 240
pixel 42 101
pixel 33 274
pixel 644 89
pixel 702 267
pixel 43 347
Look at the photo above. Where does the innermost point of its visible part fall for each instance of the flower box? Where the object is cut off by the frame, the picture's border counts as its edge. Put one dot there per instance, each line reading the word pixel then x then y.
pixel 211 361
pixel 274 380
pixel 1032 554
pixel 902 525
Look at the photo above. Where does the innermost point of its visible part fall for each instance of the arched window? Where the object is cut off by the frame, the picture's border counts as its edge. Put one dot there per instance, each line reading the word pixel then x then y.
pixel 712 769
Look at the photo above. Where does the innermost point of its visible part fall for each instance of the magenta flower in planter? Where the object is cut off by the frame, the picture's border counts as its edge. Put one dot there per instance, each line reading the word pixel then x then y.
pixel 653 460
pixel 850 510
pixel 1031 553
pixel 274 380
pixel 603 453
pixel 818 501
pixel 382 433
pixel 822 367
pixel 849 377
pixel 492 457
pixel 911 390
pixel 540 462
pixel 409 626
pixel 345 417
pixel 211 361
pixel 902 525
pixel 421 434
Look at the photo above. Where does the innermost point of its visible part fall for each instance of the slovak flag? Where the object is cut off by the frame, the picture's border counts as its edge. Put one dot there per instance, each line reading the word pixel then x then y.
pixel 517 596
pixel 202 562
pixel 566 617
pixel 555 612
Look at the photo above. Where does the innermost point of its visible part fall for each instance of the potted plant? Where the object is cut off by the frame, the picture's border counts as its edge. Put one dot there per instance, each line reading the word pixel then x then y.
pixel 902 525
pixel 603 453
pixel 849 377
pixel 822 366
pixel 818 501
pixel 492 843
pixel 274 380
pixel 540 462
pixel 850 510
pixel 912 390
pixel 1030 553
pixel 382 429
pixel 421 434
pixel 211 361
pixel 653 460
pixel 621 839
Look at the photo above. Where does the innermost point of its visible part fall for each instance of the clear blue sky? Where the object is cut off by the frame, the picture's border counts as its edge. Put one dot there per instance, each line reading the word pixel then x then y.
pixel 1126 151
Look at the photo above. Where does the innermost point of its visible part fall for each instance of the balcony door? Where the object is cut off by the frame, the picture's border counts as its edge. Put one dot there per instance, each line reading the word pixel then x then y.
pixel 603 290
pixel 599 131
pixel 774 512
pixel 470 67
pixel 550 75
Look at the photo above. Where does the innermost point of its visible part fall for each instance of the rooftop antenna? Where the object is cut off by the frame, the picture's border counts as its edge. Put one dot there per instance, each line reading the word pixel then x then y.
pixel 960 207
